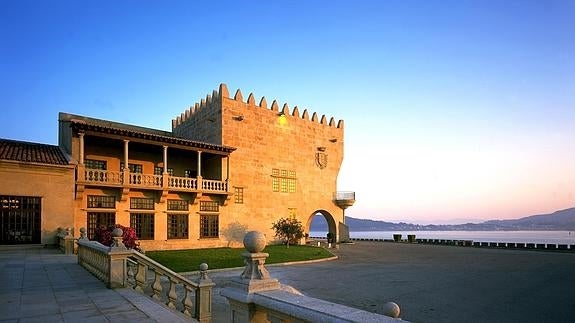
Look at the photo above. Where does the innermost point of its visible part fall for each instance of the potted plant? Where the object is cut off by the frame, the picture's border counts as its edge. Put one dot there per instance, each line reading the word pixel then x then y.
pixel 397 237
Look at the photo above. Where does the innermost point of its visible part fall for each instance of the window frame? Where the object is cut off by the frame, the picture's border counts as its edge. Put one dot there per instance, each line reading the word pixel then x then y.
pixel 142 203
pixel 178 226
pixel 138 219
pixel 209 226
pixel 99 202
pixel 97 164
pixel 239 195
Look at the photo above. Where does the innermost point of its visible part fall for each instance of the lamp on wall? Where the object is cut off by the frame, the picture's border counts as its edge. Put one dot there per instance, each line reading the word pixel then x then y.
pixel 238 118
pixel 321 148
pixel 281 114
pixel 333 140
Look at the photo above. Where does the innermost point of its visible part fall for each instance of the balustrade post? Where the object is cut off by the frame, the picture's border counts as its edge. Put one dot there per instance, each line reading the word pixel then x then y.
pixel 204 295
pixel 255 278
pixel 117 257
pixel 68 242
pixel 83 234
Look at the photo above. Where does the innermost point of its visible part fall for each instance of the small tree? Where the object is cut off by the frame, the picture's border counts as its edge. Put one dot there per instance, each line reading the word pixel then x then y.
pixel 289 230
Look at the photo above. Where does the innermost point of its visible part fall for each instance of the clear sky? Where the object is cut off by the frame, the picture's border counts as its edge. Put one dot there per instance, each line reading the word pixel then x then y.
pixel 453 109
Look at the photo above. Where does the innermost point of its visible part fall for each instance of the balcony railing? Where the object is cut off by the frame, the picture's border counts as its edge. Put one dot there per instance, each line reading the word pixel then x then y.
pixel 182 182
pixel 139 180
pixel 214 186
pixel 97 176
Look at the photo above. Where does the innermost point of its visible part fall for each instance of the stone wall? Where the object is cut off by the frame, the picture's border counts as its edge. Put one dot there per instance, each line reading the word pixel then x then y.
pixel 53 184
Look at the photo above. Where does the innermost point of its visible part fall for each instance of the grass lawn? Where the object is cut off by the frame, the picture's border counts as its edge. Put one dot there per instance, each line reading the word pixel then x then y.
pixel 217 258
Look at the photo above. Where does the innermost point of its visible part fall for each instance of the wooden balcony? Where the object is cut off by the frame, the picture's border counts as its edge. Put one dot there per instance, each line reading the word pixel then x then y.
pixel 96 177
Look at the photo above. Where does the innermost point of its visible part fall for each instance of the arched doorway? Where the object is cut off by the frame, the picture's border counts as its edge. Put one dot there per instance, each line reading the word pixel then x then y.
pixel 320 224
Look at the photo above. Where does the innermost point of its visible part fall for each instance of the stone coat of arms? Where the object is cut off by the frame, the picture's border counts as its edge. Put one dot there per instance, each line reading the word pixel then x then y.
pixel 321 159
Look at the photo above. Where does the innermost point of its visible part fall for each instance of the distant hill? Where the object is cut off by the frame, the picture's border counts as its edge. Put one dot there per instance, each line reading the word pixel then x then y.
pixel 561 220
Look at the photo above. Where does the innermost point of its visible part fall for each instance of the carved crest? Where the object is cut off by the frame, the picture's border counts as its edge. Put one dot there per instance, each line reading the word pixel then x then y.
pixel 321 160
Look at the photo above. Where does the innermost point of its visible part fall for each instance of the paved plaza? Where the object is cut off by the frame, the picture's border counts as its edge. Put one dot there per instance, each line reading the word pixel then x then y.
pixel 430 283
pixel 439 283
pixel 43 285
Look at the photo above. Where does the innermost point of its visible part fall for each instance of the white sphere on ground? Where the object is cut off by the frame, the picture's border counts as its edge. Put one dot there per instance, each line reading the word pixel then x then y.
pixel 391 309
pixel 254 241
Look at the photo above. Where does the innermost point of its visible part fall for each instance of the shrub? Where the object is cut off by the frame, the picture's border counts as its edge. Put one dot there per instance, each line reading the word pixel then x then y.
pixel 103 235
pixel 289 230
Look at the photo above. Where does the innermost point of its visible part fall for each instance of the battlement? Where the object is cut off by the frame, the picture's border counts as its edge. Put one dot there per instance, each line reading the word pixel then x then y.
pixel 214 101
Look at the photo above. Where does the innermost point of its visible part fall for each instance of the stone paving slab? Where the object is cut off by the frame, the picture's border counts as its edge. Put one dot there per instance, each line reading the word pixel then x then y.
pixel 43 285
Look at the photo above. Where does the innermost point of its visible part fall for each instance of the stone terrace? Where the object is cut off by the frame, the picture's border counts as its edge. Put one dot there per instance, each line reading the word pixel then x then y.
pixel 44 285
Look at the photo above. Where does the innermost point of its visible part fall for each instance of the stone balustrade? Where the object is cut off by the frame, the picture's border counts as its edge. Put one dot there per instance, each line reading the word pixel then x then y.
pixel 120 267
pixel 145 180
pixel 213 185
pixel 105 177
pixel 183 182
pixel 257 297
pixel 66 241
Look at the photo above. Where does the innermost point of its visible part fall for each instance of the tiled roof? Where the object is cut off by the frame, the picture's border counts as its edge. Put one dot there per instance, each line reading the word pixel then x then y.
pixel 81 123
pixel 30 152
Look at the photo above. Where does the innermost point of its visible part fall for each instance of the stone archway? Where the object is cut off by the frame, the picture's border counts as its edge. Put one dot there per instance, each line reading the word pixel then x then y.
pixel 331 224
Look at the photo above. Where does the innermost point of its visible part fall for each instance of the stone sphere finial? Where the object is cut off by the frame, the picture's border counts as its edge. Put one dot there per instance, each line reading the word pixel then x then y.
pixel 254 241
pixel 391 309
pixel 117 232
pixel 203 266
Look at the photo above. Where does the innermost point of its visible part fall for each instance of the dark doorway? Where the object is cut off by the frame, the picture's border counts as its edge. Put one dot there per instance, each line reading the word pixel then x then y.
pixel 20 219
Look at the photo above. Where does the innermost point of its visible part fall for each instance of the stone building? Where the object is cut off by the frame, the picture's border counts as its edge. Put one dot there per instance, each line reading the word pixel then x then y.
pixel 36 192
pixel 227 167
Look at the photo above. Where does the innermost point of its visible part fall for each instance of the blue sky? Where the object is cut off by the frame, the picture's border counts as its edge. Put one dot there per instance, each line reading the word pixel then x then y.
pixel 453 109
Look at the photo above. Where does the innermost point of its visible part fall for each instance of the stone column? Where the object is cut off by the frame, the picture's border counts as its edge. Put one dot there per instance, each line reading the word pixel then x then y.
pixel 199 164
pixel 81 135
pixel 126 170
pixel 126 142
pixel 165 159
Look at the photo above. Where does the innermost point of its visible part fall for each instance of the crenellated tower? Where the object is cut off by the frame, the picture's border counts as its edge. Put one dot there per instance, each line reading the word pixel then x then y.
pixel 286 163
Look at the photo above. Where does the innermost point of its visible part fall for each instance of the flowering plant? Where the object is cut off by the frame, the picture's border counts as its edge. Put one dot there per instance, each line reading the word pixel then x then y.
pixel 103 235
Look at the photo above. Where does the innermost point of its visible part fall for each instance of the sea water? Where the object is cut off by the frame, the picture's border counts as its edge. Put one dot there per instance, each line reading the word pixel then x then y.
pixel 556 237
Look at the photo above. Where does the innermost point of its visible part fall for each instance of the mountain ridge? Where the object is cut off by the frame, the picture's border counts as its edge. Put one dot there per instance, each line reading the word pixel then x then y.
pixel 562 220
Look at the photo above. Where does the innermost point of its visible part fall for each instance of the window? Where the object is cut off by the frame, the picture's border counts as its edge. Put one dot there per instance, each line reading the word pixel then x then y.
pixel 141 203
pixel 209 206
pixel 177 226
pixel 96 219
pixel 134 168
pixel 96 164
pixel 239 195
pixel 20 219
pixel 101 201
pixel 292 212
pixel 283 180
pixel 160 170
pixel 209 226
pixel 178 205
pixel 143 223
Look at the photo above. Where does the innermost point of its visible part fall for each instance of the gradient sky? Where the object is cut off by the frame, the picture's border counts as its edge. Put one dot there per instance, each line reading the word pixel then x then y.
pixel 453 109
